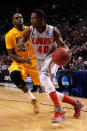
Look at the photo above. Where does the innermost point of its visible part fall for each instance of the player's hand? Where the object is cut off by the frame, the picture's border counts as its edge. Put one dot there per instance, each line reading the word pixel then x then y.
pixel 19 47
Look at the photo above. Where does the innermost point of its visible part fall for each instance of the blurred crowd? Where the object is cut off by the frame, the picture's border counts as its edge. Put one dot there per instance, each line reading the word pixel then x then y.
pixel 73 35
pixel 77 42
pixel 4 62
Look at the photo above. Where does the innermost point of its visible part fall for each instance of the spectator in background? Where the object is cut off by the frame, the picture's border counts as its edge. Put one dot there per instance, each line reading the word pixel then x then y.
pixel 75 35
pixel 72 64
pixel 80 64
pixel 4 62
pixel 0 64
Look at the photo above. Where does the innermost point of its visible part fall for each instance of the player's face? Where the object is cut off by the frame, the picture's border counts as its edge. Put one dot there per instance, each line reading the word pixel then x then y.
pixel 18 19
pixel 80 59
pixel 35 20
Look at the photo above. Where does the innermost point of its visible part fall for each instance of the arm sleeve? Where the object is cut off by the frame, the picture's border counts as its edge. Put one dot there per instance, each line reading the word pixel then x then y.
pixel 9 41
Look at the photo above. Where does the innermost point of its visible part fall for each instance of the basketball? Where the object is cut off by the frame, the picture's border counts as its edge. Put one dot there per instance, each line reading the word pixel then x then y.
pixel 60 56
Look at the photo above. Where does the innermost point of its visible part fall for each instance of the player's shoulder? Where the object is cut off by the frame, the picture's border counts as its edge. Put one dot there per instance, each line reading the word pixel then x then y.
pixel 10 32
pixel 49 27
pixel 52 26
pixel 31 27
pixel 26 30
pixel 26 27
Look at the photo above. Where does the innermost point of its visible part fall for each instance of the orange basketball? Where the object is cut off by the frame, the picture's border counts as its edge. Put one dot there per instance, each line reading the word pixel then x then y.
pixel 61 56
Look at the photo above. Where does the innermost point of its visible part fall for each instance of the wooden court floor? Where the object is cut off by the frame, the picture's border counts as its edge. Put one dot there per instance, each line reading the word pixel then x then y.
pixel 16 113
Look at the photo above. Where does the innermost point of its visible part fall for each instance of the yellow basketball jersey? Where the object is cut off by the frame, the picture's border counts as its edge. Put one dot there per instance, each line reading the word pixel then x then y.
pixel 12 38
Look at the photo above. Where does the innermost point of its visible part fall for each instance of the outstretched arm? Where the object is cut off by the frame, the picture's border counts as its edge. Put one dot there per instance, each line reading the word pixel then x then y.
pixel 58 39
pixel 19 48
pixel 21 44
pixel 18 59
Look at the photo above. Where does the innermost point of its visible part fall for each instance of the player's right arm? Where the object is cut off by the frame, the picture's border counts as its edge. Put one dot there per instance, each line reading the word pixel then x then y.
pixel 23 40
pixel 18 59
pixel 11 50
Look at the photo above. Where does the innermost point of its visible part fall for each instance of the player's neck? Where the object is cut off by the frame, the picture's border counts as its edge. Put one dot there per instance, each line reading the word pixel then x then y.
pixel 41 28
pixel 20 28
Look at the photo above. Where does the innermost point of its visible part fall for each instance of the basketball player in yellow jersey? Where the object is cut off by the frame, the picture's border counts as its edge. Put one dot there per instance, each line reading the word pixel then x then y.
pixel 24 62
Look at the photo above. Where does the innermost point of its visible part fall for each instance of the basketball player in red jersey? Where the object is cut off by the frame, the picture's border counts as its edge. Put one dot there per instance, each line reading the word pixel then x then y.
pixel 44 38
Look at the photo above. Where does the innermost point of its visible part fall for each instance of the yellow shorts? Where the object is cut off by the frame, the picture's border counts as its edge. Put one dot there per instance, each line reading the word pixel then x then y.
pixel 26 69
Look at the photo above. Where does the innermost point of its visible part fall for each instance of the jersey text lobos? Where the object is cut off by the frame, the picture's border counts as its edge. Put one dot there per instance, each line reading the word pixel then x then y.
pixel 43 42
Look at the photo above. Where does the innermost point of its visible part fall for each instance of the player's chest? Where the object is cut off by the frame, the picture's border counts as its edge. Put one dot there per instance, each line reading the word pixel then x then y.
pixel 16 37
pixel 45 38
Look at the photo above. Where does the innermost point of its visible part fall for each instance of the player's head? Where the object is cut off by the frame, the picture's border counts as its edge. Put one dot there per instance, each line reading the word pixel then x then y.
pixel 17 19
pixel 37 17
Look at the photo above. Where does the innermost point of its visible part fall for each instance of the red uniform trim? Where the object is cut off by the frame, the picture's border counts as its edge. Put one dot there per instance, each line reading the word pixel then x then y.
pixel 53 31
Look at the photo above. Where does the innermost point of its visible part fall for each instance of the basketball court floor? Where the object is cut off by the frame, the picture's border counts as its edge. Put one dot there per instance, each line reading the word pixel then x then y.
pixel 16 113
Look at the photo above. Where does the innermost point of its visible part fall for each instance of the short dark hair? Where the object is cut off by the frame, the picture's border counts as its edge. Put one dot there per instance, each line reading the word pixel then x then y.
pixel 40 13
pixel 15 14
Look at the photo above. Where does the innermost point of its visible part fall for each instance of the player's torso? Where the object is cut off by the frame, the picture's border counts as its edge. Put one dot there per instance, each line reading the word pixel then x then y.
pixel 43 42
pixel 16 34
pixel 28 50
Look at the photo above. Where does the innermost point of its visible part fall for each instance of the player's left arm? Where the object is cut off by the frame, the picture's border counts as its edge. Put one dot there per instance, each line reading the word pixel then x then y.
pixel 58 39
